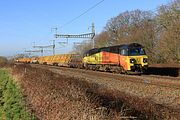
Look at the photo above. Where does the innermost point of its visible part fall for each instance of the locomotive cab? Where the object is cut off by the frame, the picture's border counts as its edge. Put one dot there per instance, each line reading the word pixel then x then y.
pixel 137 59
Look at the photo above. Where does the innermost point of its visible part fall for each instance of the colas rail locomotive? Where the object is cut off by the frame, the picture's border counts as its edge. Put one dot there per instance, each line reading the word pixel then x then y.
pixel 126 58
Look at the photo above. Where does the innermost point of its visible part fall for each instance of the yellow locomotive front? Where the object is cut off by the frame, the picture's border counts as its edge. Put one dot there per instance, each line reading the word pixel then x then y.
pixel 137 60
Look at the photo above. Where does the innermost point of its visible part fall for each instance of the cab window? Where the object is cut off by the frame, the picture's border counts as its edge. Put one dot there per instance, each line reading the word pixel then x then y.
pixel 136 51
pixel 123 52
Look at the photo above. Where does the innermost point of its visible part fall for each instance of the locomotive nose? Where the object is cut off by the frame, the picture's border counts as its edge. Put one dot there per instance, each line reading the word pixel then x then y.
pixel 135 60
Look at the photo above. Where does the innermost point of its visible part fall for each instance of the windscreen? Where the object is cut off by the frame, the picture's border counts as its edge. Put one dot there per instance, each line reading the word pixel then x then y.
pixel 136 51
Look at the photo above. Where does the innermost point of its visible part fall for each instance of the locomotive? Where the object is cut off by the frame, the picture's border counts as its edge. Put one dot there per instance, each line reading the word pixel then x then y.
pixel 128 58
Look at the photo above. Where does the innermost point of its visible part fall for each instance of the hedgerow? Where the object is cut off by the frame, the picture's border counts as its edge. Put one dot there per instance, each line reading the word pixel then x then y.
pixel 12 106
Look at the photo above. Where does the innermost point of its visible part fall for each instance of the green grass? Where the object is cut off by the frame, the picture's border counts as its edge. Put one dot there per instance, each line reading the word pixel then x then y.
pixel 12 106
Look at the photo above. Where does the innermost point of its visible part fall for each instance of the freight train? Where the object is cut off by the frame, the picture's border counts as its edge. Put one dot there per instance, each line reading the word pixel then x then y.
pixel 127 58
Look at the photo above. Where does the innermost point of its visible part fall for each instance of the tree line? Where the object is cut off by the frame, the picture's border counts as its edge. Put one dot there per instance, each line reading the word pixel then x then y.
pixel 158 31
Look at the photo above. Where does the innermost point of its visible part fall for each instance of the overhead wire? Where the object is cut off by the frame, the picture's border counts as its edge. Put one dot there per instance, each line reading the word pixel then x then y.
pixel 72 20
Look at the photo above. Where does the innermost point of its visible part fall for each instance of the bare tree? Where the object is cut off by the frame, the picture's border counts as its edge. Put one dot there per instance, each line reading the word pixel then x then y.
pixel 134 26
pixel 169 38
pixel 102 39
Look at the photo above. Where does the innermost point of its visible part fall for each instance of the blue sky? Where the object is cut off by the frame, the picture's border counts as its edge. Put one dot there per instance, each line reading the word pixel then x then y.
pixel 23 22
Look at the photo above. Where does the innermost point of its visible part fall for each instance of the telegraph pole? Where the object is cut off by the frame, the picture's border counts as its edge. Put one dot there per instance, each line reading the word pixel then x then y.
pixel 93 31
pixel 53 46
pixel 55 29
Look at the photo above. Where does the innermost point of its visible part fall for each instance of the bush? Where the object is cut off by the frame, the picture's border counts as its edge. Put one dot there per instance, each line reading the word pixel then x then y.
pixel 3 61
pixel 12 106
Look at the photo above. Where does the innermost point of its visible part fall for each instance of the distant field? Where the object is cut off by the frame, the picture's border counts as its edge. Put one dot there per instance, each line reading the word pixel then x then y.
pixel 12 106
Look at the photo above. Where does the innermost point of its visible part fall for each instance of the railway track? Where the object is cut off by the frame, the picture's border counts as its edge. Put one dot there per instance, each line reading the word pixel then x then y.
pixel 162 81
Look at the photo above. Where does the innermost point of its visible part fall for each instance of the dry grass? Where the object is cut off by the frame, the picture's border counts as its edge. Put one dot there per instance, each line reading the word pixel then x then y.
pixel 56 97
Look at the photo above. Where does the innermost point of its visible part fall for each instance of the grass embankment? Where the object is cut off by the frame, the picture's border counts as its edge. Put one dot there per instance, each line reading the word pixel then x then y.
pixel 12 106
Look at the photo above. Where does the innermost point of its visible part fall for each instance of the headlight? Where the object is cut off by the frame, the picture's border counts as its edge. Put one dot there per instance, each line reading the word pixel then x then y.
pixel 145 60
pixel 132 60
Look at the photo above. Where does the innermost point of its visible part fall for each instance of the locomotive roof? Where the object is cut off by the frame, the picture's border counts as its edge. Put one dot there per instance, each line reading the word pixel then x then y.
pixel 131 45
pixel 126 46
